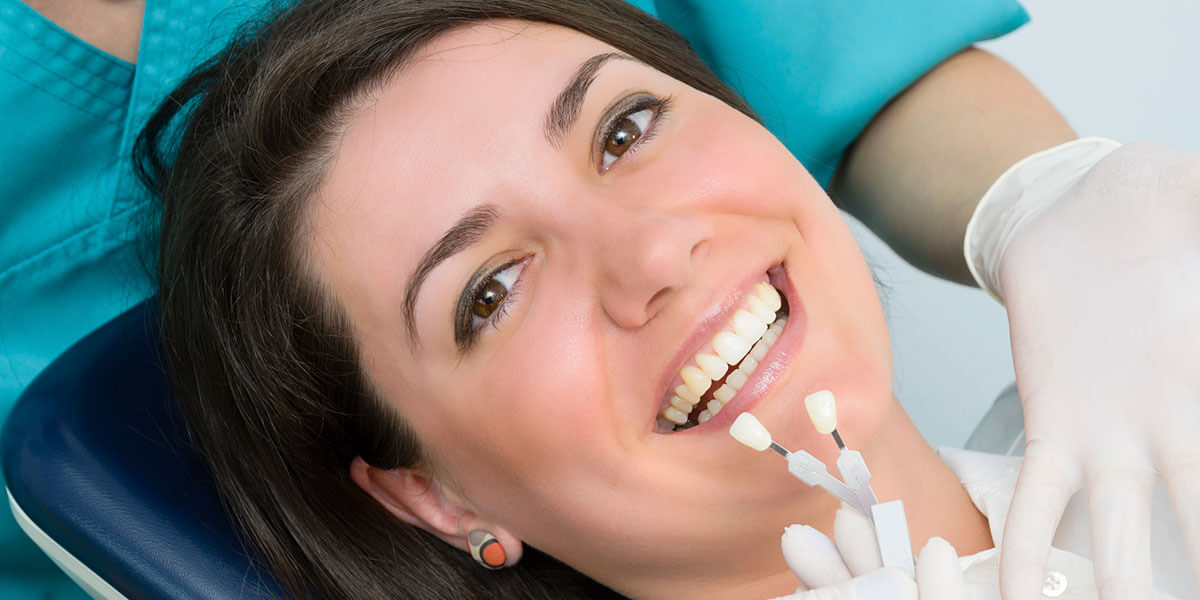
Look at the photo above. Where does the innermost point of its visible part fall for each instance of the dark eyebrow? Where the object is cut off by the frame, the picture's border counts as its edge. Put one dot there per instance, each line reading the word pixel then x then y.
pixel 565 110
pixel 466 232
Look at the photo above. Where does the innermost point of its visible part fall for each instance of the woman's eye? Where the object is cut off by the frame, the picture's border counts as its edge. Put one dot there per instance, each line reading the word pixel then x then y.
pixel 632 122
pixel 486 301
pixel 624 134
pixel 489 298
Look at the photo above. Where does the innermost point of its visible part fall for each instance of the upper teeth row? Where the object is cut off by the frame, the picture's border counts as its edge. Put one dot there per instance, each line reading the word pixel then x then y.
pixel 727 348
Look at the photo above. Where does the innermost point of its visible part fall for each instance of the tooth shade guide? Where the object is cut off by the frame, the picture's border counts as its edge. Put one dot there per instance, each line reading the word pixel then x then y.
pixel 748 431
pixel 837 438
pixel 822 410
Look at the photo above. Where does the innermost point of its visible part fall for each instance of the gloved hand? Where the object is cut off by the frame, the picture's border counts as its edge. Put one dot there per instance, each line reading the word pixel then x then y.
pixel 853 569
pixel 1102 287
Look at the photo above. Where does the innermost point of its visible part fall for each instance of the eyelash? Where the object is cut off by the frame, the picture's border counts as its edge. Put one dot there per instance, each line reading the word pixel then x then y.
pixel 466 330
pixel 632 105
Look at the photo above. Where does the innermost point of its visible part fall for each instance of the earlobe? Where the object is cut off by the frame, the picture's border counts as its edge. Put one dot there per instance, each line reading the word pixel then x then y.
pixel 414 497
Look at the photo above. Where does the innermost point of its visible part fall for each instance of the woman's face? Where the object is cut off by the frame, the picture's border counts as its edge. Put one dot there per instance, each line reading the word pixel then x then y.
pixel 530 258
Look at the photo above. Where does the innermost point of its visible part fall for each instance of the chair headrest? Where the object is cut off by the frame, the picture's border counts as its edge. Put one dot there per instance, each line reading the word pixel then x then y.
pixel 97 456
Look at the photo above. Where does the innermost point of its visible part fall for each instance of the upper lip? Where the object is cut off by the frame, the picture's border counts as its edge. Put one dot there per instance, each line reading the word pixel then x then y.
pixel 712 319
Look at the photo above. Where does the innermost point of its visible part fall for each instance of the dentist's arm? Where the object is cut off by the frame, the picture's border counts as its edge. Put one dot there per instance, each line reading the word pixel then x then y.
pixel 916 173
pixel 1095 252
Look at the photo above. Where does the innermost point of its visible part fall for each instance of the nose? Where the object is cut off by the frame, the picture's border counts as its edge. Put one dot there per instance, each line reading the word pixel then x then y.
pixel 645 258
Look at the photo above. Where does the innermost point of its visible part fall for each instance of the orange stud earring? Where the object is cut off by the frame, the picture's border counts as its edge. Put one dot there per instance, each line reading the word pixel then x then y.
pixel 486 549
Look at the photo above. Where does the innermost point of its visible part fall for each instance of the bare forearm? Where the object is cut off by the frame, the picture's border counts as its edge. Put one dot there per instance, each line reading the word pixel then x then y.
pixel 916 173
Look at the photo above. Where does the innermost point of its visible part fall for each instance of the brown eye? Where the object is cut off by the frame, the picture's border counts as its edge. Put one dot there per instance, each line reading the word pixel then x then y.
pixel 623 136
pixel 488 299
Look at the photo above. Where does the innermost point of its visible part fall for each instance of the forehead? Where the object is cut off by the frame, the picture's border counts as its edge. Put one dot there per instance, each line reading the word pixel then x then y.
pixel 458 124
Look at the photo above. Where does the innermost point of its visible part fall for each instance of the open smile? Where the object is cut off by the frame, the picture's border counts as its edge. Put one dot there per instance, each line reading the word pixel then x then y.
pixel 712 377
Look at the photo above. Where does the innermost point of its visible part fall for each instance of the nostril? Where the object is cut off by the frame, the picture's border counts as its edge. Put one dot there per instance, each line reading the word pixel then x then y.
pixel 656 302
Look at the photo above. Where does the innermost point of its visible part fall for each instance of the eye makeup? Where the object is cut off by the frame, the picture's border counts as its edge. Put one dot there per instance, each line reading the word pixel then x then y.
pixel 617 121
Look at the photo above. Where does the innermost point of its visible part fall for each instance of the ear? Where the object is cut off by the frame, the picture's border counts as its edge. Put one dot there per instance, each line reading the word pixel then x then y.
pixel 416 498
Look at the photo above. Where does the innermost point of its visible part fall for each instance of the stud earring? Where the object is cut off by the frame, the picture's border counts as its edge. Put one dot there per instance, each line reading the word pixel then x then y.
pixel 486 549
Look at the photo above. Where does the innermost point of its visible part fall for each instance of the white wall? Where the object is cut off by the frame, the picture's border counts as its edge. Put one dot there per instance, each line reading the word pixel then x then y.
pixel 1117 68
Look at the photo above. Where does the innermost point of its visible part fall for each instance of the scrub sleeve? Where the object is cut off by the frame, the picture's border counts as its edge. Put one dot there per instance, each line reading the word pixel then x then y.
pixel 72 253
pixel 816 71
pixel 71 210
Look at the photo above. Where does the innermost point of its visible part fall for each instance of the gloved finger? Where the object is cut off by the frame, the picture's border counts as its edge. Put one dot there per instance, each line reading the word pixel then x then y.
pixel 1181 472
pixel 856 541
pixel 881 584
pixel 1044 486
pixel 938 574
pixel 813 557
pixel 1119 506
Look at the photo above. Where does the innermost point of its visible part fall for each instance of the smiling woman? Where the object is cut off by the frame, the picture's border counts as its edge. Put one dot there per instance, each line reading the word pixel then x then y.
pixel 435 269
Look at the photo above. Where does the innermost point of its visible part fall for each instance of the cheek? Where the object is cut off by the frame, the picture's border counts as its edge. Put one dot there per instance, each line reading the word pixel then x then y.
pixel 534 405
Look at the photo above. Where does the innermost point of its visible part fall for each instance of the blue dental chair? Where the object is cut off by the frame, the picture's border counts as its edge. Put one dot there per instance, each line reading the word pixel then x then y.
pixel 101 476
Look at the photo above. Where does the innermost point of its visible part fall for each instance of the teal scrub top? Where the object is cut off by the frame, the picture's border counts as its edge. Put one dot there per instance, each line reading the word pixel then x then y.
pixel 71 210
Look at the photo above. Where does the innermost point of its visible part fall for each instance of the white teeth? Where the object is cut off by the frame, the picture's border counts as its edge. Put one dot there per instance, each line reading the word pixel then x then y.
pixel 769 295
pixel 684 406
pixel 737 378
pixel 723 395
pixel 712 365
pixel 730 347
pixel 758 351
pixel 744 342
pixel 748 364
pixel 771 335
pixel 760 309
pixel 683 392
pixel 695 380
pixel 674 415
pixel 748 326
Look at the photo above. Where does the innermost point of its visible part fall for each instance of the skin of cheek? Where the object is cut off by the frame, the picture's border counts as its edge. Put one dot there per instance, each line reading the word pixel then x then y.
pixel 828 270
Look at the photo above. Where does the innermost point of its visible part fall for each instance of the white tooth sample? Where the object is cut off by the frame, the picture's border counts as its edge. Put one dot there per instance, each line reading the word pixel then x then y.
pixel 673 415
pixel 759 350
pixel 703 416
pixel 714 406
pixel 730 347
pixel 684 406
pixel 822 411
pixel 748 365
pixel 695 380
pixel 683 392
pixel 760 309
pixel 747 430
pixel 712 365
pixel 737 378
pixel 723 395
pixel 748 326
pixel 770 296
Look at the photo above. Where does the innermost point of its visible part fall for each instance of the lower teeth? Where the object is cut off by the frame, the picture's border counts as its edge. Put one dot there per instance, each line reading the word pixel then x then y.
pixel 734 380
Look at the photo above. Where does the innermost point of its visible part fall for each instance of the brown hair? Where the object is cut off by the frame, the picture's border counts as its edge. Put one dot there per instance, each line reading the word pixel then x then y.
pixel 265 369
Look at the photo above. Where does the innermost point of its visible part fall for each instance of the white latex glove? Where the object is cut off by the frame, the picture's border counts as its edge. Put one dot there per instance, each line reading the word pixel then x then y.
pixel 1102 287
pixel 853 569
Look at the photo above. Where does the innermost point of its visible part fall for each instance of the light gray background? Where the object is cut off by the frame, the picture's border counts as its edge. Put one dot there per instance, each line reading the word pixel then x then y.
pixel 1116 68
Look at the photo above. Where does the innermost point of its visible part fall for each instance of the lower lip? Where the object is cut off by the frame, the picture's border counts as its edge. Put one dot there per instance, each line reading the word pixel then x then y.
pixel 771 369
